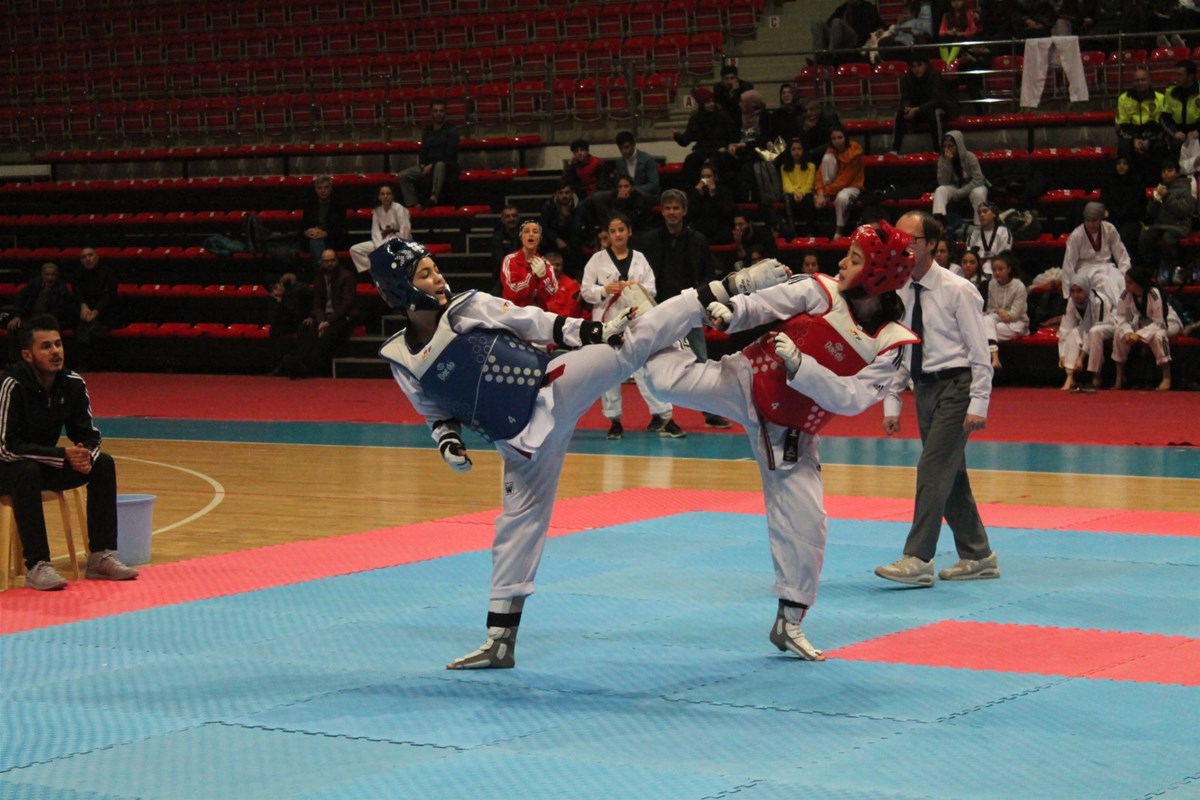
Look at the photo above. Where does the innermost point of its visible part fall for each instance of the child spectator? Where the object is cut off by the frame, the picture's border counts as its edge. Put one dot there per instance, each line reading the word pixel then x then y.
pixel 840 177
pixel 941 255
pixel 798 177
pixel 615 279
pixel 1006 314
pixel 1085 326
pixel 389 220
pixel 972 272
pixel 1168 219
pixel 988 237
pixel 1143 316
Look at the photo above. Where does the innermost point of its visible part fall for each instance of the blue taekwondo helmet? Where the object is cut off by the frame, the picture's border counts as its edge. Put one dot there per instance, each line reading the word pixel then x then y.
pixel 393 265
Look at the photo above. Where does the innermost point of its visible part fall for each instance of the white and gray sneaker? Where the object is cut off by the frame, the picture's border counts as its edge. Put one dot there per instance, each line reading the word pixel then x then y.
pixel 104 565
pixel 972 570
pixel 908 569
pixel 44 577
pixel 788 636
pixel 498 652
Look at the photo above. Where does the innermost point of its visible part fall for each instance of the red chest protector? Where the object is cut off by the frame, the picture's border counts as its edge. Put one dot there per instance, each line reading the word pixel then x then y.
pixel 834 340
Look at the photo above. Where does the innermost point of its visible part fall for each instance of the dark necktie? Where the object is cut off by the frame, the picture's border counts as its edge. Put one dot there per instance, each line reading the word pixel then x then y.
pixel 918 327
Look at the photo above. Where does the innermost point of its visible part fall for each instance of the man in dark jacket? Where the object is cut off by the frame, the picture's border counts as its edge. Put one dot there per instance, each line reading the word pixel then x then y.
pixel 44 294
pixel 727 93
pixel 331 321
pixel 38 398
pixel 96 293
pixel 923 100
pixel 680 259
pixel 437 164
pixel 324 223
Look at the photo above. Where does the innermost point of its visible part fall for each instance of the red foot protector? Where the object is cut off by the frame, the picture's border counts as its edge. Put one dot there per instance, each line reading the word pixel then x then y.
pixel 1032 649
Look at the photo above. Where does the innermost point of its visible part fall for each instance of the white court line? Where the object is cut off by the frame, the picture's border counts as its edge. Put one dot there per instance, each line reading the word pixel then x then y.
pixel 218 491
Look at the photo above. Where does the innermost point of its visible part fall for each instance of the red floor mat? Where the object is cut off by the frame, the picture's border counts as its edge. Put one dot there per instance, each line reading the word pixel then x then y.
pixel 278 565
pixel 1030 649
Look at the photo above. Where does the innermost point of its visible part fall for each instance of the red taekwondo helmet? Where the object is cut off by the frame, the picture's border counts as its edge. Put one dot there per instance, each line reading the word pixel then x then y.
pixel 889 262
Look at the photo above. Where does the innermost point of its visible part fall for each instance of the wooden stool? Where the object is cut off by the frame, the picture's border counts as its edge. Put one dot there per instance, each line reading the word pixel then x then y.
pixel 12 560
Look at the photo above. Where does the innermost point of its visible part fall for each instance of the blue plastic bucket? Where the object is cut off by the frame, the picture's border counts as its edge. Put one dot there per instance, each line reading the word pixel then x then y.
pixel 134 512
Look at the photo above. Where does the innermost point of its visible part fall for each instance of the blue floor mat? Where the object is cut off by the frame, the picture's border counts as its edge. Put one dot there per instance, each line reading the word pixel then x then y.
pixel 644 671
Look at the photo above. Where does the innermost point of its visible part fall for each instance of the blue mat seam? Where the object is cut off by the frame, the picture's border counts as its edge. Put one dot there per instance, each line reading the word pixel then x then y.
pixel 347 737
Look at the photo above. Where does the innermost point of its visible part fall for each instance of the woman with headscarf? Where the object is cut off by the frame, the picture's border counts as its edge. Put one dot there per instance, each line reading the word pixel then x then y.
pixel 709 129
pixel 752 135
pixel 1085 326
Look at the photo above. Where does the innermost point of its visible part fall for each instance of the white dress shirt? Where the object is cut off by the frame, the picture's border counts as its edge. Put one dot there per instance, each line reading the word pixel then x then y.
pixel 954 336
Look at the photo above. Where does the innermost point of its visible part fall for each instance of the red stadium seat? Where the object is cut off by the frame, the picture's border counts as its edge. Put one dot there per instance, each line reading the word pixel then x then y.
pixel 568 58
pixel 1162 64
pixel 885 85
pixel 613 20
pixel 742 16
pixel 645 19
pixel 603 56
pixel 669 52
pixel 656 92
pixel 849 85
pixel 702 50
pixel 587 106
pixel 1004 77
pixel 546 25
pixel 528 100
pixel 492 102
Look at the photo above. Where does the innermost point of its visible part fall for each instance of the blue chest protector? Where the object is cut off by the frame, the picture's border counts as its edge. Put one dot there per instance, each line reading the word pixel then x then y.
pixel 486 379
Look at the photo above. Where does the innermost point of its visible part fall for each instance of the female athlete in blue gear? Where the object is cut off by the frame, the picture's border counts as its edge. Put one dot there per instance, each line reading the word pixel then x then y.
pixel 477 360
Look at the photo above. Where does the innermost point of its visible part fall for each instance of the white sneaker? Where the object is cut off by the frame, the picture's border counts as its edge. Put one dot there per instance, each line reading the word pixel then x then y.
pixel 104 565
pixel 44 577
pixel 908 569
pixel 972 570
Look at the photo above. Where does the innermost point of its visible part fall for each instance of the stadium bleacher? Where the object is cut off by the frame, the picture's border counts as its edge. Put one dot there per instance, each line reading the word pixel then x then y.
pixel 267 90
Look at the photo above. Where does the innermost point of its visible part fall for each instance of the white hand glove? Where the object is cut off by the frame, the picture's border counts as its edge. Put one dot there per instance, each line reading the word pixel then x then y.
pixel 454 452
pixel 614 329
pixel 538 265
pixel 786 349
pixel 760 275
pixel 719 316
